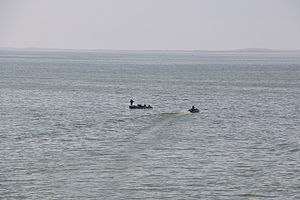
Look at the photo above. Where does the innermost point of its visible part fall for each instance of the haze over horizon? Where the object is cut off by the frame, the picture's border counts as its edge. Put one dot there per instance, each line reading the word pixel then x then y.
pixel 150 24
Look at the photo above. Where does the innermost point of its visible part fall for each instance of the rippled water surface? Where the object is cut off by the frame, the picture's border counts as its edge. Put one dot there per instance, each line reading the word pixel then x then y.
pixel 66 131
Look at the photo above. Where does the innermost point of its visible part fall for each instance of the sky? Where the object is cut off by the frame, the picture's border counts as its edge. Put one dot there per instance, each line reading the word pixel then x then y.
pixel 150 24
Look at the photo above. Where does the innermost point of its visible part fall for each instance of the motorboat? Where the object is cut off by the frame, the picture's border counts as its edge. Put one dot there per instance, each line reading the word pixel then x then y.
pixel 139 106
pixel 194 110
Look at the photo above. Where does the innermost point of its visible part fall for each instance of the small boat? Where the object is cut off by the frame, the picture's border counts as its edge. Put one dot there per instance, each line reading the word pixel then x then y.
pixel 139 106
pixel 194 110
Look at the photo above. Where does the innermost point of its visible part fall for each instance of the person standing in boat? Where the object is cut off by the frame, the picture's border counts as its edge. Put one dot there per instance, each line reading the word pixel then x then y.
pixel 131 102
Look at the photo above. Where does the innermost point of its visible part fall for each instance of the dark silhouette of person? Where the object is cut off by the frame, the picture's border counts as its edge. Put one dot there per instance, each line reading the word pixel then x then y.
pixel 131 102
pixel 193 107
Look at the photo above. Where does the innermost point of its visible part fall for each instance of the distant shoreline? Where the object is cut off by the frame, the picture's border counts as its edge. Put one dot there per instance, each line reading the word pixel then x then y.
pixel 247 50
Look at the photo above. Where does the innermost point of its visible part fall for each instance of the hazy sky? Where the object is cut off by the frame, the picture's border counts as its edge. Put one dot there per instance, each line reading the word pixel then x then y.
pixel 150 24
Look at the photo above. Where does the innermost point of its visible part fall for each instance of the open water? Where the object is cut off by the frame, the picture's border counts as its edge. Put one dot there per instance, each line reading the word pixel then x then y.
pixel 66 131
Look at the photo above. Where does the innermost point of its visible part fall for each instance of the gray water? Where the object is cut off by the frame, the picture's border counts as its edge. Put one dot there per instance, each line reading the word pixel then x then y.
pixel 66 131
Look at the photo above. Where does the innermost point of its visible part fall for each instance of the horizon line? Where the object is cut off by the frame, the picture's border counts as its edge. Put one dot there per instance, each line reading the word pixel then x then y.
pixel 260 50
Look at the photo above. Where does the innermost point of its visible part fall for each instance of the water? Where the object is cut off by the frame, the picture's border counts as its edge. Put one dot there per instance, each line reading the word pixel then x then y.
pixel 66 131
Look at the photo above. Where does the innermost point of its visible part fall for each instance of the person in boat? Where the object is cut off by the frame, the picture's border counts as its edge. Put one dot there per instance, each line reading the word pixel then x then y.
pixel 131 102
pixel 193 109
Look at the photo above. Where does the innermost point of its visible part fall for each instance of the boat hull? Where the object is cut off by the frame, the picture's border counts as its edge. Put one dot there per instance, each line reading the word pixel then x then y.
pixel 194 110
pixel 140 107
